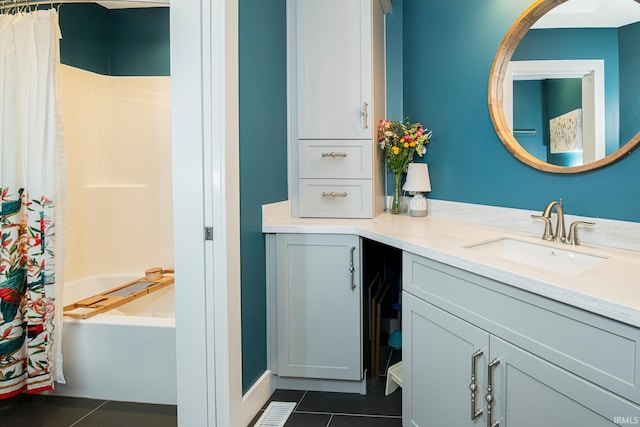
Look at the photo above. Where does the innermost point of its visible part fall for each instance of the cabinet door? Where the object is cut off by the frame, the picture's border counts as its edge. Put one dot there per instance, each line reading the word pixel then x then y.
pixel 333 72
pixel 531 392
pixel 319 306
pixel 437 352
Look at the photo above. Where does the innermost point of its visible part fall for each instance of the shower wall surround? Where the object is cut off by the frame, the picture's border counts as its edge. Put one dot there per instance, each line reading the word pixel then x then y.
pixel 118 135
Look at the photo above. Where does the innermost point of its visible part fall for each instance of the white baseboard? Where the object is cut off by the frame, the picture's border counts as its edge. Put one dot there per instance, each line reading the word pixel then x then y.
pixel 313 384
pixel 255 398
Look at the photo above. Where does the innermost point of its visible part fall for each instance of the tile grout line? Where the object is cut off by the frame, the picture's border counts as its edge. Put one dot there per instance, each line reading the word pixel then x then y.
pixel 90 412
pixel 314 412
pixel 300 401
pixel 368 415
pixel 330 419
pixel 349 414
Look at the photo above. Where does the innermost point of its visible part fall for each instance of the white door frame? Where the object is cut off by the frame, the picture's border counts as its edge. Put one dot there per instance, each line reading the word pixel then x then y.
pixel 591 71
pixel 204 78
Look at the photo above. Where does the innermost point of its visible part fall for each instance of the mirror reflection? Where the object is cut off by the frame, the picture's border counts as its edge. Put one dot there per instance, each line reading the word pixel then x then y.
pixel 570 94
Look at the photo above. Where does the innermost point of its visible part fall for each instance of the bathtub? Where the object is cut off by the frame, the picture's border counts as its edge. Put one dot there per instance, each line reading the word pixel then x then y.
pixel 126 354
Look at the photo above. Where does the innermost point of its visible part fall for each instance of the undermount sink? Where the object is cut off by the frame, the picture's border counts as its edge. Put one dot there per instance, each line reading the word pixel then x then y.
pixel 548 257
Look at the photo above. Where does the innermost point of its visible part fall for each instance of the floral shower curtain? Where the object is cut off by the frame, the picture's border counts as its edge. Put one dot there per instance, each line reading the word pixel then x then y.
pixel 31 186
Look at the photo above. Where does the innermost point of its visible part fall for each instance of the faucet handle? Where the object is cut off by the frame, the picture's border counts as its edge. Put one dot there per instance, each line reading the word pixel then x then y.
pixel 548 232
pixel 573 236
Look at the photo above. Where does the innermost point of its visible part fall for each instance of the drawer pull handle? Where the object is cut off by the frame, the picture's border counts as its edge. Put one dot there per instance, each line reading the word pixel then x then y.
pixel 475 413
pixel 489 396
pixel 334 194
pixel 365 115
pixel 333 154
pixel 352 269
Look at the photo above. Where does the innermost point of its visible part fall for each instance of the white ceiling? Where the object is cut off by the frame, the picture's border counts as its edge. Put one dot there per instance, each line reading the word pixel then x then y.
pixel 591 14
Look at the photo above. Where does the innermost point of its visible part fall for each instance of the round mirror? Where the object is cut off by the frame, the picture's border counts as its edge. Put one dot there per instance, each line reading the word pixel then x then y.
pixel 564 86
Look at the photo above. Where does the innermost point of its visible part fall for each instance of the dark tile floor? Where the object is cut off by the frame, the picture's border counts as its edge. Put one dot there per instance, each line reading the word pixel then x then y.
pixel 312 409
pixel 57 411
pixel 324 409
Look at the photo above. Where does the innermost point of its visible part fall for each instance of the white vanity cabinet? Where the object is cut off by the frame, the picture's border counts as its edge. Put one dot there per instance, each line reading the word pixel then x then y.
pixel 437 350
pixel 549 364
pixel 336 81
pixel 318 306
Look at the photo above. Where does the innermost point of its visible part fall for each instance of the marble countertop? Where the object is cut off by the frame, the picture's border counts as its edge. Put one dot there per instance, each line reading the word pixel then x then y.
pixel 610 288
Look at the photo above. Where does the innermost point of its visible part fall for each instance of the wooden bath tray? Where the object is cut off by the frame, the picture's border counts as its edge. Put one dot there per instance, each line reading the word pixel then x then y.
pixel 154 280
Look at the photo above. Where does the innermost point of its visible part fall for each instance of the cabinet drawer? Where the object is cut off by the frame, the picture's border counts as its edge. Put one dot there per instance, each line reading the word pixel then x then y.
pixel 333 198
pixel 335 159
pixel 596 348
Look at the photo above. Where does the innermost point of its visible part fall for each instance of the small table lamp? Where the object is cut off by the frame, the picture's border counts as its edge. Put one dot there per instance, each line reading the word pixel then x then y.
pixel 417 182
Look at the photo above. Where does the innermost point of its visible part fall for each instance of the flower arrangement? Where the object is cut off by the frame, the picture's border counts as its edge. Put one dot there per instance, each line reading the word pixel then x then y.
pixel 401 140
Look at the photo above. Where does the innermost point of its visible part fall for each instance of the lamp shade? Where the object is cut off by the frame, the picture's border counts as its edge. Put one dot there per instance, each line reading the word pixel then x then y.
pixel 417 178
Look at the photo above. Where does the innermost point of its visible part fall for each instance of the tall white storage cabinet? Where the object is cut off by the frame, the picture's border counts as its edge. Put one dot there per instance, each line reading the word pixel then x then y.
pixel 336 96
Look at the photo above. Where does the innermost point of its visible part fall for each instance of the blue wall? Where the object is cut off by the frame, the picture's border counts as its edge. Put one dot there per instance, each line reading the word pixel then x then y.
pixel 139 42
pixel 117 42
pixel 85 37
pixel 629 81
pixel 528 111
pixel 263 162
pixel 448 50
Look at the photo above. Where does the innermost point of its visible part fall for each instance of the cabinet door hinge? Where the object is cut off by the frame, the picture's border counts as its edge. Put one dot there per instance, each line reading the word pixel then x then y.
pixel 208 233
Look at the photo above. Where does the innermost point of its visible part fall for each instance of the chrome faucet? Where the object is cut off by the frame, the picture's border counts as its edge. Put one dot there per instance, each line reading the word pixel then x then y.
pixel 560 233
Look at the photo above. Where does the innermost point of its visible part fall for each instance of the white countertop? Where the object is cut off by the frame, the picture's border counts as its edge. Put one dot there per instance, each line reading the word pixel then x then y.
pixel 610 289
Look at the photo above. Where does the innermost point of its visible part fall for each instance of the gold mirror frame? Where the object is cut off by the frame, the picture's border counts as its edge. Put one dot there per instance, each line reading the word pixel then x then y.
pixel 496 80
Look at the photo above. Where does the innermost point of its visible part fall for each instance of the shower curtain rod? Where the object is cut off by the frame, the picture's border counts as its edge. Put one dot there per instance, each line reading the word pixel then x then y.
pixel 8 4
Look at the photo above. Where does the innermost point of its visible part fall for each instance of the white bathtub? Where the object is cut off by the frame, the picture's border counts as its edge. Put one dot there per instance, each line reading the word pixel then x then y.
pixel 126 354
